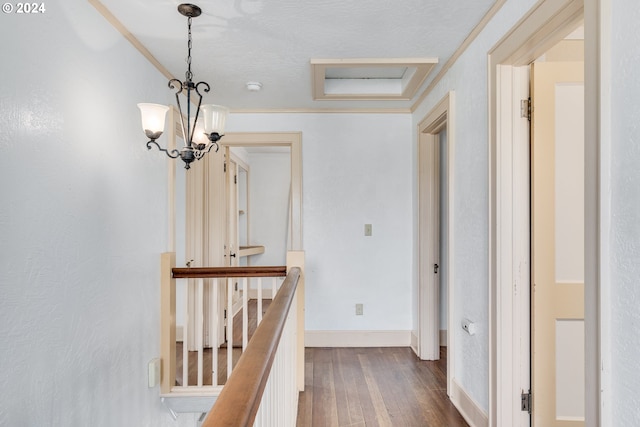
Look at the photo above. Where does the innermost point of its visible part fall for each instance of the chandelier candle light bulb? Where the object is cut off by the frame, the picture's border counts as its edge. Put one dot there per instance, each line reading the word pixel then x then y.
pixel 153 116
pixel 215 117
pixel 199 139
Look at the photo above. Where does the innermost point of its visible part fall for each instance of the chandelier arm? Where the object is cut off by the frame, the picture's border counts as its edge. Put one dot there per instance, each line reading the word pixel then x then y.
pixel 200 153
pixel 174 154
pixel 206 88
pixel 177 85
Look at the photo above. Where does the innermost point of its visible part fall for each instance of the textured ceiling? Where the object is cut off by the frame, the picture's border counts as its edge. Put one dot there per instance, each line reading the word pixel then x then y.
pixel 238 41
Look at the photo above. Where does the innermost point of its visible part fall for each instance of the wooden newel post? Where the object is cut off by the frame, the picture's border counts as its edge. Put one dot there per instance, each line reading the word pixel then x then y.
pixel 167 322
pixel 296 259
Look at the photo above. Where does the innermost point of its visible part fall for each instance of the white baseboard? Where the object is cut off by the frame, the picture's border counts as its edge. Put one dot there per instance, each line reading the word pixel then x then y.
pixel 357 338
pixel 467 407
pixel 443 337
pixel 414 343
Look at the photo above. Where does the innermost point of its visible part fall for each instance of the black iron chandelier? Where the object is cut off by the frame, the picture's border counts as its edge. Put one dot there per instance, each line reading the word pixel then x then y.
pixel 199 139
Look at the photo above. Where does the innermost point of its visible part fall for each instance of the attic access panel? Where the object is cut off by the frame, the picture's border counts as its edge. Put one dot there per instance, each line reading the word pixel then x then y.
pixel 369 79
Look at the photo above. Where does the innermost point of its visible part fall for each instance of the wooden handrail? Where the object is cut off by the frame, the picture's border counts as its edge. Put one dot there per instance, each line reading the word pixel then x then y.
pixel 240 398
pixel 213 272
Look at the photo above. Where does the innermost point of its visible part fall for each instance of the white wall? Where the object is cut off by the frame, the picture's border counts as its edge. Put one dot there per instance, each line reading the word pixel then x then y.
pixel 468 78
pixel 270 178
pixel 356 170
pixel 625 206
pixel 83 221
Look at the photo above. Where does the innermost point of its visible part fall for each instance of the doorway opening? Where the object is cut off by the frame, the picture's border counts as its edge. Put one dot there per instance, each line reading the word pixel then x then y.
pixel 200 229
pixel 436 140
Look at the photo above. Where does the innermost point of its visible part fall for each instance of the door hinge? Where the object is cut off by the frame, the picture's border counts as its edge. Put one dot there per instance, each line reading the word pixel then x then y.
pixel 525 108
pixel 525 400
pixel 235 179
pixel 435 268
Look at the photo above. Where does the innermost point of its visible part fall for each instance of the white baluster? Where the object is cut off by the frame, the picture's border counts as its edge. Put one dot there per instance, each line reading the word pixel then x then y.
pixel 229 326
pixel 200 328
pixel 185 337
pixel 245 314
pixel 214 335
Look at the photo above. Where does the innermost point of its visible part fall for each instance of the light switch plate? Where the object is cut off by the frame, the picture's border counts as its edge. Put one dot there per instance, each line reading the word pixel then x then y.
pixel 368 230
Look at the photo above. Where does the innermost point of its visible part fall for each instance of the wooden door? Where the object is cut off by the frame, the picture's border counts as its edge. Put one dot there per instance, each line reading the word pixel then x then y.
pixel 557 222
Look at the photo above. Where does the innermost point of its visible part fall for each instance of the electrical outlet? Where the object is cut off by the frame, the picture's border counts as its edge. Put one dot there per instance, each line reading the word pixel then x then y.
pixel 359 309
pixel 468 326
pixel 368 230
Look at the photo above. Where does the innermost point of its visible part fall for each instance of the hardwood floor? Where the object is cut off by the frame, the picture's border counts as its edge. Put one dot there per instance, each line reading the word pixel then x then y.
pixel 355 387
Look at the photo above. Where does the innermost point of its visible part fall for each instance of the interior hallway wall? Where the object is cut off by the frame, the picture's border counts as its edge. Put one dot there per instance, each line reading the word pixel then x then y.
pixel 356 170
pixel 269 204
pixel 624 237
pixel 83 222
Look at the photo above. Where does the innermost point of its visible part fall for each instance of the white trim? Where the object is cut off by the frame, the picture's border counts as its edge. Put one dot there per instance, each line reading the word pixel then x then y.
pixel 357 338
pixel 598 43
pixel 354 110
pixel 174 115
pixel 418 70
pixel 512 297
pixel 467 407
pixel 293 140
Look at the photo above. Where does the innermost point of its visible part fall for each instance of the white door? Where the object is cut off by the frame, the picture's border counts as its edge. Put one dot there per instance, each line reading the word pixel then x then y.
pixel 231 187
pixel 429 246
pixel 557 253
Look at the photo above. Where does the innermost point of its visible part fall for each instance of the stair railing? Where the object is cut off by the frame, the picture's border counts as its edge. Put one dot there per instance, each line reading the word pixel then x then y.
pixel 282 372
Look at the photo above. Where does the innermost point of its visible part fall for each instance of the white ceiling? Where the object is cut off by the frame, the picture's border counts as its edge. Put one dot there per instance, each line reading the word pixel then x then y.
pixel 238 41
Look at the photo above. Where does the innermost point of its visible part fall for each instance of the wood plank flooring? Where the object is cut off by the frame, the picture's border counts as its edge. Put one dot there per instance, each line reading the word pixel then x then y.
pixel 354 387
pixel 357 387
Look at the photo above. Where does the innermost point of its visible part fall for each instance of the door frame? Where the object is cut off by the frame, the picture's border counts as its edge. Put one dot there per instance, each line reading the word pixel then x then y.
pixel 441 117
pixel 545 24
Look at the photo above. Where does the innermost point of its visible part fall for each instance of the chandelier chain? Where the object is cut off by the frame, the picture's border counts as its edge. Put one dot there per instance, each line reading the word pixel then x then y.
pixel 189 74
